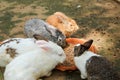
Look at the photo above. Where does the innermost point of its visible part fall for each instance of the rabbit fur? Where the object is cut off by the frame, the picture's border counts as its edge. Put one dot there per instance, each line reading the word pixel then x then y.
pixel 93 66
pixel 40 27
pixel 13 47
pixel 35 63
pixel 67 25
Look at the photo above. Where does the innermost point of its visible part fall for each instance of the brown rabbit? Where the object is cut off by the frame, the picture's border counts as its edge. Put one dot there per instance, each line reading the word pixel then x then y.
pixel 91 65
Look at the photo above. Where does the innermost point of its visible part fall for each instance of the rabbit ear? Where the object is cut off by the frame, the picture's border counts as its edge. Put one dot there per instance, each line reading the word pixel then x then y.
pixel 39 37
pixel 80 49
pixel 87 44
pixel 77 50
pixel 43 44
pixel 51 30
pixel 46 48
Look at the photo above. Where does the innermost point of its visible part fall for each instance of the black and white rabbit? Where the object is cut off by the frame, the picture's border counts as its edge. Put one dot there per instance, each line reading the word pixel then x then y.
pixel 93 66
pixel 40 27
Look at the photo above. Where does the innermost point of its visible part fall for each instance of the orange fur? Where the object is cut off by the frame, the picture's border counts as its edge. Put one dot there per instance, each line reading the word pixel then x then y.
pixel 65 24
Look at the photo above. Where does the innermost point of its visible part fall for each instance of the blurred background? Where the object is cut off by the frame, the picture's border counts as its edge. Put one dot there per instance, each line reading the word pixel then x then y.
pixel 97 19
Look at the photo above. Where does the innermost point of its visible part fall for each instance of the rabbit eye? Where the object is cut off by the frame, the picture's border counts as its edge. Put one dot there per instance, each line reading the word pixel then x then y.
pixel 59 39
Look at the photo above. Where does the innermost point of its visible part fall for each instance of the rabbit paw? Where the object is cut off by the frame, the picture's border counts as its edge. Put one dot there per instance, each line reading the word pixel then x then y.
pixel 83 77
pixel 49 73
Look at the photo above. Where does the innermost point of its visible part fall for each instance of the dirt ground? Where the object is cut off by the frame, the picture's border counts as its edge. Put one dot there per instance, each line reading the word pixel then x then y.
pixel 98 20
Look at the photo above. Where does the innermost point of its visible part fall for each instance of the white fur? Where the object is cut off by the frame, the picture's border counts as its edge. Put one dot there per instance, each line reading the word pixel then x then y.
pixel 77 45
pixel 36 63
pixel 24 45
pixel 21 45
pixel 80 62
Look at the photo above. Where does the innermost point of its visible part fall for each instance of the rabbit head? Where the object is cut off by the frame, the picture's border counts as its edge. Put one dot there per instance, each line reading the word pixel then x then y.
pixel 57 35
pixel 79 49
pixel 59 38
pixel 91 65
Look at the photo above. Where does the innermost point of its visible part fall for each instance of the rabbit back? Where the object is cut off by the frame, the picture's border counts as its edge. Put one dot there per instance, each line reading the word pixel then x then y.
pixel 13 47
pixel 29 65
pixel 99 68
pixel 17 45
pixel 81 61
pixel 37 26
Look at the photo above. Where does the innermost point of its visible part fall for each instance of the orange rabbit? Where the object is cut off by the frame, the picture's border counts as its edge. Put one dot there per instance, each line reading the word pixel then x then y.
pixel 65 24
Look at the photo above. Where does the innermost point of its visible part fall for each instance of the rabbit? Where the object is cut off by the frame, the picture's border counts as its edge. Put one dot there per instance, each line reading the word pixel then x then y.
pixel 93 66
pixel 35 63
pixel 67 25
pixel 38 26
pixel 13 47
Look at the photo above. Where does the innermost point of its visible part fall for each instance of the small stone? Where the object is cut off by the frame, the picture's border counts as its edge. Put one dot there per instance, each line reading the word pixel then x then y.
pixel 98 39
pixel 109 49
pixel 78 6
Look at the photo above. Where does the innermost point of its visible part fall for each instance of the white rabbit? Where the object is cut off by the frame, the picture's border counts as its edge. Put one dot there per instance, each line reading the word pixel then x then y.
pixel 13 47
pixel 42 28
pixel 35 63
pixel 91 65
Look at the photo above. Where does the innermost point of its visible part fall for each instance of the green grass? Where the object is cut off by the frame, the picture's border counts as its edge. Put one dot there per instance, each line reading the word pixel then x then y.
pixel 26 14
pixel 7 9
pixel 93 22
pixel 20 32
pixel 1 76
pixel 1 73
pixel 27 2
pixel 6 23
pixel 1 38
pixel 117 63
pixel 59 5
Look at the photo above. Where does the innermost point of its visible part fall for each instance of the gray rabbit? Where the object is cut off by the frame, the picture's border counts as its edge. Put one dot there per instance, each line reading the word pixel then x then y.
pixel 93 66
pixel 40 27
